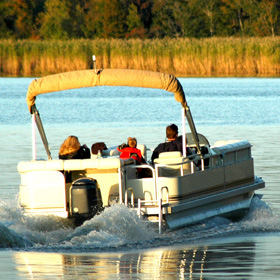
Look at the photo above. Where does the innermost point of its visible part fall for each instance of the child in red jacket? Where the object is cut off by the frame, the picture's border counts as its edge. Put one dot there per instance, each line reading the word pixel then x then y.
pixel 129 150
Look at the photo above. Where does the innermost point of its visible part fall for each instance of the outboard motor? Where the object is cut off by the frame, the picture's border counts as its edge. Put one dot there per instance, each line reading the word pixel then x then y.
pixel 85 200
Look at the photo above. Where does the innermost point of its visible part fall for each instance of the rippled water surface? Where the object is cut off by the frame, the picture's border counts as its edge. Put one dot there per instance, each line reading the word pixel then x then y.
pixel 116 244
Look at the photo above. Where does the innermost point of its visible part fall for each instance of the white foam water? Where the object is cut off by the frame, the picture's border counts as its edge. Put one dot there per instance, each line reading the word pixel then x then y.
pixel 119 228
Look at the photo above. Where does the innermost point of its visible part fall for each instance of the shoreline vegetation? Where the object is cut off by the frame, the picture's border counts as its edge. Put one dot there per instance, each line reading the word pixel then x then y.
pixel 214 57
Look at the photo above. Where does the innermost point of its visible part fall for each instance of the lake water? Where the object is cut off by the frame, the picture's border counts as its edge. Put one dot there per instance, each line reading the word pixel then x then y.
pixel 116 245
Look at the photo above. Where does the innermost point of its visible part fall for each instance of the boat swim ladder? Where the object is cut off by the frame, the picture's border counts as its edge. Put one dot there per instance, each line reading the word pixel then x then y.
pixel 131 198
pixel 158 203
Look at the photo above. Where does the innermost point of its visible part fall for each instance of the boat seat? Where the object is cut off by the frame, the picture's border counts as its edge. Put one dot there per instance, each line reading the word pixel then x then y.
pixel 40 165
pixel 170 155
pixel 230 145
pixel 72 164
pixel 233 150
pixel 103 163
pixel 143 149
pixel 172 170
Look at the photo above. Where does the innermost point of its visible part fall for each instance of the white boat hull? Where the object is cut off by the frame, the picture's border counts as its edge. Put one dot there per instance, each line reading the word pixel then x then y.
pixel 231 204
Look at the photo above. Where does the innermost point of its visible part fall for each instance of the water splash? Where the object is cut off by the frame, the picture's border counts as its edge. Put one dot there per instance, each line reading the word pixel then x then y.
pixel 116 226
pixel 10 239
pixel 120 228
pixel 260 218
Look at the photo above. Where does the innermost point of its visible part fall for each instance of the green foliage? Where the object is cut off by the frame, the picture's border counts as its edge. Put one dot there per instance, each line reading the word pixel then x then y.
pixel 164 20
pixel 5 20
pixel 56 20
pixel 91 19
pixel 133 18
pixel 114 15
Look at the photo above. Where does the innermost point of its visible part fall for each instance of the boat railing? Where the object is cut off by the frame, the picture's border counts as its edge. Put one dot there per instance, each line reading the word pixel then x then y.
pixel 131 198
pixel 219 158
pixel 167 193
pixel 197 163
pixel 147 167
pixel 216 159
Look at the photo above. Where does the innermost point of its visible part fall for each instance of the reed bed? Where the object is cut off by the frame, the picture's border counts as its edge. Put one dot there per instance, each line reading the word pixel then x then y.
pixel 181 57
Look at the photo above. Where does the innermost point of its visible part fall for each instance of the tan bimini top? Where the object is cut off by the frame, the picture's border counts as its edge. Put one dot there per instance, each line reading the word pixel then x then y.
pixel 107 77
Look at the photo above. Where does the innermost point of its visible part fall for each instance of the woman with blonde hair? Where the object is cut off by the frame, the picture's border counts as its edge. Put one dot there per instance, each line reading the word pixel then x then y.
pixel 72 149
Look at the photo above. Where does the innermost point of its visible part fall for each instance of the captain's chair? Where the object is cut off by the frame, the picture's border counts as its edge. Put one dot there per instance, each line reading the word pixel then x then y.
pixel 174 169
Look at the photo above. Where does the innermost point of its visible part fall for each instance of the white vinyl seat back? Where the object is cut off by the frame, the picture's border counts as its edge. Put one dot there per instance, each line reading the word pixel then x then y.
pixel 170 155
pixel 40 165
pixel 143 150
pixel 173 169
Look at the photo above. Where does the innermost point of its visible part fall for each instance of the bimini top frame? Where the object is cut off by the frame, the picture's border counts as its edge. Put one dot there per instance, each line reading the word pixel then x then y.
pixel 108 77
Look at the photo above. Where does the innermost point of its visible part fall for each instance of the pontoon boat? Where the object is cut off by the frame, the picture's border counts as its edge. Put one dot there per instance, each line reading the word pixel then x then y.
pixel 182 190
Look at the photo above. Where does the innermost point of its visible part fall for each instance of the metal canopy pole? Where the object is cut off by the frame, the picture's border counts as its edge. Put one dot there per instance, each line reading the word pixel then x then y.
pixel 192 128
pixel 41 130
pixel 33 137
pixel 184 133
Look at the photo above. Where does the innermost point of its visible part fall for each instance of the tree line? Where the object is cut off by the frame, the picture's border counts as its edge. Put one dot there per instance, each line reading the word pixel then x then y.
pixel 143 19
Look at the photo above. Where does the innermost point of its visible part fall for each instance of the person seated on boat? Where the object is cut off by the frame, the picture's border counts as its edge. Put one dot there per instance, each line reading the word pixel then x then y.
pixel 129 150
pixel 72 149
pixel 188 150
pixel 98 148
pixel 172 144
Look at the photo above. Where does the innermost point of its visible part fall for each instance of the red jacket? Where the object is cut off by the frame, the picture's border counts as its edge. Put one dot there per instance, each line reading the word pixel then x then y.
pixel 131 153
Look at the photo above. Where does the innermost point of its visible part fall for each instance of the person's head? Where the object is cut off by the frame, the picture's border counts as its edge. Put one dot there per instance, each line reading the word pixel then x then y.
pixel 70 145
pixel 171 131
pixel 99 146
pixel 132 142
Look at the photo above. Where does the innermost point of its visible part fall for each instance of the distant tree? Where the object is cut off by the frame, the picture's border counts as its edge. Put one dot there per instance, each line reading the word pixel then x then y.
pixel 78 22
pixel 144 8
pixel 243 14
pixel 135 27
pixel 164 20
pixel 56 20
pixel 268 16
pixel 6 20
pixel 23 26
pixel 195 22
pixel 181 16
pixel 114 18
pixel 64 19
pixel 208 10
pixel 20 17
pixel 94 21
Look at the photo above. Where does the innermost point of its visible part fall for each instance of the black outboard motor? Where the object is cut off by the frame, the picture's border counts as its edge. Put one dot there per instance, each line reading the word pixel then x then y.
pixel 85 200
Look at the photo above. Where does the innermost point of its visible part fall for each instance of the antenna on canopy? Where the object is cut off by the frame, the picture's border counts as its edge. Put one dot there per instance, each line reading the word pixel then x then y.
pixel 94 63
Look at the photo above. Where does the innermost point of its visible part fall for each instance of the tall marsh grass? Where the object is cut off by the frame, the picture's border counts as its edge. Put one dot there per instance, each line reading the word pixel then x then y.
pixel 181 57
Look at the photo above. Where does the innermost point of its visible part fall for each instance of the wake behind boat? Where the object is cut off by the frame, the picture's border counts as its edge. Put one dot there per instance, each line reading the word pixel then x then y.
pixel 215 180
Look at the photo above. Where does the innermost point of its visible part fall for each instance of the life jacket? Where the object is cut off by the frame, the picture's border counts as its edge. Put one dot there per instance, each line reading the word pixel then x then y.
pixel 131 153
